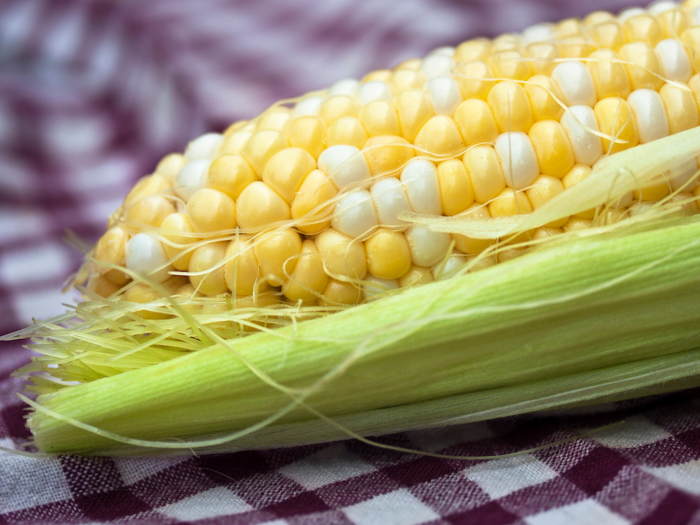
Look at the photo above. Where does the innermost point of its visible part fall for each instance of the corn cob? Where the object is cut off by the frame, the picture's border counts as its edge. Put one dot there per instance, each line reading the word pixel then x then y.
pixel 441 166
pixel 309 203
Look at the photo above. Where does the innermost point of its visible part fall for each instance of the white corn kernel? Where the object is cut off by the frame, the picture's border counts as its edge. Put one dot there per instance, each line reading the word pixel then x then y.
pixel 375 286
pixel 354 214
pixel 656 8
pixel 675 63
pixel 191 178
pixel 538 33
pixel 437 66
pixel 444 94
pixel 374 90
pixel 344 165
pixel 518 159
pixel 347 86
pixel 389 199
pixel 444 51
pixel 575 83
pixel 204 147
pixel 145 255
pixel 626 14
pixel 310 106
pixel 419 179
pixel 427 247
pixel 650 114
pixel 588 148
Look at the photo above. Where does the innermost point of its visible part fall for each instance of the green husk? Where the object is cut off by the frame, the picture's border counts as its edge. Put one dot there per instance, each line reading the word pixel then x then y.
pixel 608 314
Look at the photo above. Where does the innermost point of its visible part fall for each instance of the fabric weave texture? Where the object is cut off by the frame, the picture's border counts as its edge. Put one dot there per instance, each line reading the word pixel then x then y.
pixel 92 94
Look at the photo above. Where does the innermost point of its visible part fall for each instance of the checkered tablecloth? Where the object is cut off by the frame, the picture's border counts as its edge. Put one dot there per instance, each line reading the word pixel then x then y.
pixel 92 94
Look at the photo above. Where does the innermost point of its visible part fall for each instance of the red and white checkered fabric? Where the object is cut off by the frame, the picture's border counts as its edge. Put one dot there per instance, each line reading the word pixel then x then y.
pixel 92 94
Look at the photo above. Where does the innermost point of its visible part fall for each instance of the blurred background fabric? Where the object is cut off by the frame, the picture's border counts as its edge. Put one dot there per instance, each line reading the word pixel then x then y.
pixel 93 94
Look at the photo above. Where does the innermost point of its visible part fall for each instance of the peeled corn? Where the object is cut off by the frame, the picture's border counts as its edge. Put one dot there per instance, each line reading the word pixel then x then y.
pixel 450 163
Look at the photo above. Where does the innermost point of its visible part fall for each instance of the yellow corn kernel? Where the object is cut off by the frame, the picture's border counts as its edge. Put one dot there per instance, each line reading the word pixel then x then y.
pixel 170 165
pixel 477 49
pixel 276 253
pixel 171 228
pixel 149 211
pixel 412 64
pixel 348 131
pixel 609 76
pixel 261 147
pixel 275 118
pixel 241 270
pixel 259 205
pixel 543 56
pixel 608 34
pixel 379 118
pixel 475 79
pixel 643 28
pixel 286 171
pixel 616 120
pixel 147 186
pixel 338 293
pixel 511 107
pixel 100 285
pixel 485 173
pixel 388 254
pixel 506 42
pixel 597 17
pixel 577 223
pixel 142 293
pixel 681 108
pixel 308 133
pixel 510 202
pixel 653 193
pixel 571 179
pixel 416 275
pixel 230 174
pixel 544 189
pixel 545 233
pixel 567 28
pixel 404 79
pixel 469 245
pixel 694 85
pixel 236 126
pixel 235 142
pixel 308 276
pixel 211 210
pixel 381 75
pixel 110 249
pixel 338 106
pixel 643 73
pixel 542 90
pixel 691 40
pixel 476 122
pixel 341 255
pixel 456 190
pixel 414 110
pixel 207 266
pixel 673 22
pixel 554 151
pixel 510 64
pixel 316 190
pixel 386 154
pixel 440 136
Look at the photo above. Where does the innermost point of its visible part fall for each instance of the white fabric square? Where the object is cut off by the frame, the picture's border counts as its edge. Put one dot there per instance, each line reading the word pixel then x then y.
pixel 17 222
pixel 42 304
pixel 28 482
pixel 586 512
pixel 208 504
pixel 501 477
pixel 327 466
pixel 25 265
pixel 395 508
pixel 634 432
pixel 133 470
pixel 685 476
